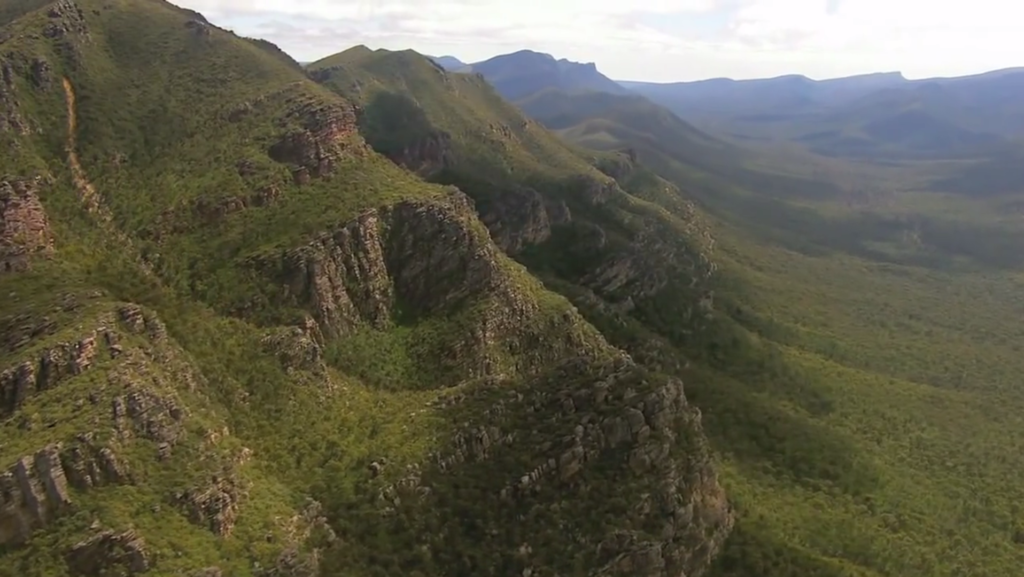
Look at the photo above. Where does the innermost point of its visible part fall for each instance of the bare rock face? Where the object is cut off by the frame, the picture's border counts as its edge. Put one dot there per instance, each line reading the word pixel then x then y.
pixel 149 415
pixel 298 348
pixel 34 491
pixel 54 365
pixel 24 228
pixel 66 18
pixel 214 506
pixel 424 253
pixel 325 135
pixel 108 553
pixel 606 442
pixel 341 277
pixel 521 217
pixel 87 465
pixel 427 155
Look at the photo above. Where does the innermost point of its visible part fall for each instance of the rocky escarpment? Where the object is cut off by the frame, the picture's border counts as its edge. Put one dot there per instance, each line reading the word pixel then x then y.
pixel 109 553
pixel 24 228
pixel 603 466
pixel 215 505
pixel 427 155
pixel 654 259
pixel 35 491
pixel 325 133
pixel 132 403
pixel 420 258
pixel 521 216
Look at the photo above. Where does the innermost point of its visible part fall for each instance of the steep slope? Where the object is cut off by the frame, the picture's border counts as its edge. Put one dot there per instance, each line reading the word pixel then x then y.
pixel 544 202
pixel 238 341
pixel 523 73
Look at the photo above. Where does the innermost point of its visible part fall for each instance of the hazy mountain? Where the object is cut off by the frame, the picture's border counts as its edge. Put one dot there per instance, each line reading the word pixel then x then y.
pixel 526 72
pixel 871 116
pixel 448 62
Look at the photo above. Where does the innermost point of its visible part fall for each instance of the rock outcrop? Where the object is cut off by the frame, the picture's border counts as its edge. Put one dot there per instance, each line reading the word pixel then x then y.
pixel 109 553
pixel 433 258
pixel 11 119
pixel 152 416
pixel 298 348
pixel 426 155
pixel 24 228
pixel 66 18
pixel 214 506
pixel 34 491
pixel 52 366
pixel 601 463
pixel 520 217
pixel 325 133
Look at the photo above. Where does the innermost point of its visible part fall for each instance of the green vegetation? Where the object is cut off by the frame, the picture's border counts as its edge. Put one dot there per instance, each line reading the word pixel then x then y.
pixel 253 271
pixel 308 319
pixel 859 380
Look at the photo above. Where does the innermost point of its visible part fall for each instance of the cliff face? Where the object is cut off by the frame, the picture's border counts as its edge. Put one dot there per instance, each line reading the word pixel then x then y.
pixel 416 260
pixel 618 477
pixel 323 135
pixel 24 228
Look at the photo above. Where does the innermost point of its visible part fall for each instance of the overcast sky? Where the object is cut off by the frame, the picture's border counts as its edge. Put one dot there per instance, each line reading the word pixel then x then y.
pixel 656 40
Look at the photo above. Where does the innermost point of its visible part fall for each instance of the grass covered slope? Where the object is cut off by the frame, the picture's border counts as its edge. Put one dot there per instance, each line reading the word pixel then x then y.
pixel 238 339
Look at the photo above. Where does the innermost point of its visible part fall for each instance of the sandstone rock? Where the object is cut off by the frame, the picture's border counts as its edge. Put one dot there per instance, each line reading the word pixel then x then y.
pixel 150 415
pixel 637 437
pixel 66 18
pixel 520 217
pixel 324 137
pixel 427 155
pixel 109 553
pixel 24 228
pixel 133 318
pixel 88 465
pixel 200 28
pixel 214 506
pixel 34 491
pixel 16 384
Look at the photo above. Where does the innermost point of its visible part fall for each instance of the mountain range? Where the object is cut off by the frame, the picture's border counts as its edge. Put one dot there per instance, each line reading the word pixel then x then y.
pixel 390 314
pixel 869 117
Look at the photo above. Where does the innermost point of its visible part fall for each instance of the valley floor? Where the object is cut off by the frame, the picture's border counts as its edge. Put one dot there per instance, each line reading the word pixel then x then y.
pixel 881 436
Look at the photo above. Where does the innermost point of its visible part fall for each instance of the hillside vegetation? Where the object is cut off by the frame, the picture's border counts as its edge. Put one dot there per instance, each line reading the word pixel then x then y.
pixel 859 382
pixel 238 341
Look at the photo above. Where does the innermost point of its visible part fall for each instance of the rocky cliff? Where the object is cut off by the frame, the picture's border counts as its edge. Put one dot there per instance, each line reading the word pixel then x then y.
pixel 24 228
pixel 605 432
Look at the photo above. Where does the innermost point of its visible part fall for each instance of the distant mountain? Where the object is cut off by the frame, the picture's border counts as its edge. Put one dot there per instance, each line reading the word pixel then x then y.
pixel 448 62
pixel 526 72
pixel 869 116
pixel 788 93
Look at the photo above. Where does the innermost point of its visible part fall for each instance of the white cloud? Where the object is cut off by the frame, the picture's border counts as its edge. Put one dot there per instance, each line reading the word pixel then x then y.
pixel 657 39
